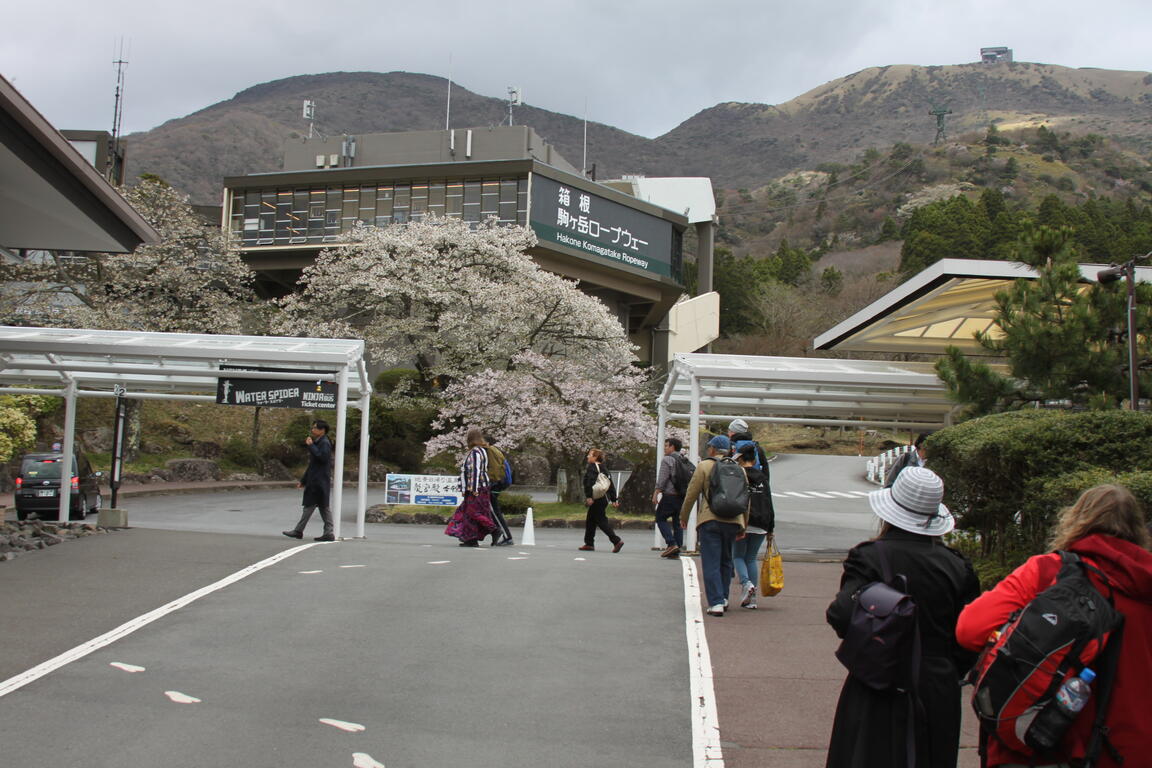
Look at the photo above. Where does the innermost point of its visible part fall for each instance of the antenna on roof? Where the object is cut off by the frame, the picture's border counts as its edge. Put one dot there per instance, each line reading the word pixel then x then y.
pixel 515 99
pixel 118 108
pixel 448 111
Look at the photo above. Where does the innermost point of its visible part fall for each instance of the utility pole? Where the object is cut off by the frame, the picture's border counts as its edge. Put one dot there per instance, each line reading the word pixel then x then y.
pixel 939 113
pixel 1127 270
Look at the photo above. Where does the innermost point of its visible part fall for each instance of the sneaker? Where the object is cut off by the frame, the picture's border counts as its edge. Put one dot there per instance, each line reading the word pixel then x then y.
pixel 744 590
pixel 672 551
pixel 293 534
pixel 715 610
pixel 325 537
pixel 749 600
pixel 618 545
pixel 470 543
pixel 504 542
pixel 725 605
pixel 587 548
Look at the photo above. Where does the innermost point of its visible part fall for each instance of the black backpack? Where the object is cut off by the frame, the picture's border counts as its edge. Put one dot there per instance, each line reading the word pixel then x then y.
pixel 728 493
pixel 882 645
pixel 682 470
pixel 760 511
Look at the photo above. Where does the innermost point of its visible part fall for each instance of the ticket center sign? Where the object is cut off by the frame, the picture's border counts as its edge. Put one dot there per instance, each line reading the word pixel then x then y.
pixel 569 216
pixel 423 490
pixel 311 394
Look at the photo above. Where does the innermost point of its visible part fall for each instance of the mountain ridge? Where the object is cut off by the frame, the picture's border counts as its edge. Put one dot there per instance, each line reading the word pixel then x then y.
pixel 737 144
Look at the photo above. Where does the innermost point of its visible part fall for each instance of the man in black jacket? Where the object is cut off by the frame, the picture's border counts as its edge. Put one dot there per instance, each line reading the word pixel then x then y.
pixel 316 482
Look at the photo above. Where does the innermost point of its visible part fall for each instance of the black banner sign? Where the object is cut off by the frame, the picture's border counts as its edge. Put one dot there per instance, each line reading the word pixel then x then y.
pixel 310 394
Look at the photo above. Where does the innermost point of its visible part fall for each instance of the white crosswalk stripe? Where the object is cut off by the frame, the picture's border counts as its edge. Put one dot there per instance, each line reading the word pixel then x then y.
pixel 820 494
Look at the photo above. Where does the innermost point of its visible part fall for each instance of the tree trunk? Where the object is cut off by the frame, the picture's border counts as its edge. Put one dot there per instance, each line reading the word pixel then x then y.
pixel 636 496
pixel 574 491
pixel 256 427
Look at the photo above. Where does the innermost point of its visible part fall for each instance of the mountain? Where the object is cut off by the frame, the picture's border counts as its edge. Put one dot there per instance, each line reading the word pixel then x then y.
pixel 245 134
pixel 739 145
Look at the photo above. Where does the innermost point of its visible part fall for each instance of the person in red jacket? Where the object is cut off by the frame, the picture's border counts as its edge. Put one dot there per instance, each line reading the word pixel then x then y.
pixel 1106 528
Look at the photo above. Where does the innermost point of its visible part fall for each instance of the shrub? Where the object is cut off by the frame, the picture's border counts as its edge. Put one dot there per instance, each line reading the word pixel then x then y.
pixel 241 453
pixel 514 503
pixel 1006 475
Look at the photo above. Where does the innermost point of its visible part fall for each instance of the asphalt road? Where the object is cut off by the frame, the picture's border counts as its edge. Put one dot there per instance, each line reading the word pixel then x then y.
pixel 819 500
pixel 398 650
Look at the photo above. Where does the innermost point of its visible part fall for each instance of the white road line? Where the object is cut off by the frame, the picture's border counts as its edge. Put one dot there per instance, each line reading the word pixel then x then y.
pixel 125 667
pixel 797 494
pixel 127 628
pixel 579 559
pixel 844 494
pixel 181 698
pixel 820 495
pixel 439 562
pixel 343 725
pixel 364 760
pixel 309 573
pixel 706 750
pixel 517 558
pixel 353 566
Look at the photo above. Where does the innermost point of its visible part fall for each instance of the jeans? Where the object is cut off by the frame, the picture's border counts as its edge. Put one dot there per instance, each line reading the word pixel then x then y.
pixel 502 530
pixel 668 519
pixel 744 556
pixel 715 540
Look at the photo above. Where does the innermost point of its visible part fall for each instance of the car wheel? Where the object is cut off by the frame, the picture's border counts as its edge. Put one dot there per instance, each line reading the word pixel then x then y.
pixel 95 508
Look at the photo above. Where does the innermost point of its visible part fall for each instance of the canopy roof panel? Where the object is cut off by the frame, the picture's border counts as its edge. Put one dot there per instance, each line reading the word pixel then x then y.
pixel 50 196
pixel 945 305
pixel 804 390
pixel 185 363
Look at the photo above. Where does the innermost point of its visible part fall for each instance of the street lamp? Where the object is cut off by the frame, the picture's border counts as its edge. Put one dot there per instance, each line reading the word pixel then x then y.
pixel 1113 273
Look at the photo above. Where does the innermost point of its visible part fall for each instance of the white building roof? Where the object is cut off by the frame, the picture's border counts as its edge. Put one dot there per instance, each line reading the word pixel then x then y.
pixel 941 306
pixel 805 390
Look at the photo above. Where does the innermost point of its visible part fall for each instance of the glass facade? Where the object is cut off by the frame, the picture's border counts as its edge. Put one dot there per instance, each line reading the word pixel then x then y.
pixel 322 214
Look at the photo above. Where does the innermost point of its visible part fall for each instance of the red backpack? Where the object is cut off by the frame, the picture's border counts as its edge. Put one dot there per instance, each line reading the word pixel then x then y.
pixel 1062 630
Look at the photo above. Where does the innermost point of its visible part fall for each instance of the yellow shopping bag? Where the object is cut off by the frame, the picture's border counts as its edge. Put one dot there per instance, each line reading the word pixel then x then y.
pixel 772 570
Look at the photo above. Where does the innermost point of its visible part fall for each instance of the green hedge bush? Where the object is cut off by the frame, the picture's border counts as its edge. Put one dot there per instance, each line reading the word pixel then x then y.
pixel 514 503
pixel 1007 475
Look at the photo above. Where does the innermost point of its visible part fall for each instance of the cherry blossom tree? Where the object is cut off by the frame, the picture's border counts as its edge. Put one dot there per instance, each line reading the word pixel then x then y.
pixel 562 406
pixel 188 281
pixel 450 298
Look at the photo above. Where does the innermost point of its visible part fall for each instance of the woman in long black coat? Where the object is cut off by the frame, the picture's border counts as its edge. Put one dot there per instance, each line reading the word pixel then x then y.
pixel 871 727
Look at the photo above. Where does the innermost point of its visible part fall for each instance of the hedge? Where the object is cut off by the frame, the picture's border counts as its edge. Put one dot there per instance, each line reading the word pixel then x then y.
pixel 1007 475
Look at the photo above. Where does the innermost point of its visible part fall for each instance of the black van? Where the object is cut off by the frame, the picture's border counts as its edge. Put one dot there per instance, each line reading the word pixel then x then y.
pixel 38 487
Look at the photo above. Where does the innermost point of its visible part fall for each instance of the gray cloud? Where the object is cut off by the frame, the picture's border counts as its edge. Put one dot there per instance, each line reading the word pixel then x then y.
pixel 640 65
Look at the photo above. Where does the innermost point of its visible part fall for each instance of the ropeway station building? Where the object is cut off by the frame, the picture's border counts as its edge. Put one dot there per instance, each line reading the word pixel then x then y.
pixel 622 240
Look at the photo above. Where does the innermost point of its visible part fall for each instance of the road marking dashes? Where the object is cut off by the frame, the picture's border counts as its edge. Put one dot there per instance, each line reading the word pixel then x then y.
pixel 352 566
pixel 439 562
pixel 343 725
pixel 126 667
pixel 517 558
pixel 309 573
pixel 364 760
pixel 820 494
pixel 181 698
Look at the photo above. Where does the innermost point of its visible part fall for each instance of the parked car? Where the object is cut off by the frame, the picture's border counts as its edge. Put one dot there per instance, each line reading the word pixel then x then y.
pixel 38 487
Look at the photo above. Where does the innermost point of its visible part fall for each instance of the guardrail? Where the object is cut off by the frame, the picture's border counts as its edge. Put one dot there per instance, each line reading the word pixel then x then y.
pixel 877 467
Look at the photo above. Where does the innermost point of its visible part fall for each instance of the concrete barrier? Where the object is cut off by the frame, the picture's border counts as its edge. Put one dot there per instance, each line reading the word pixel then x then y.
pixel 112 518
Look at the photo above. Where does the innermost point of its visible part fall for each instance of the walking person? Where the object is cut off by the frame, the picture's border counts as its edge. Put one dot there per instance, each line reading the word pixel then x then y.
pixel 871 727
pixel 472 520
pixel 316 482
pixel 913 458
pixel 1106 528
pixel 671 484
pixel 597 507
pixel 502 536
pixel 715 536
pixel 761 524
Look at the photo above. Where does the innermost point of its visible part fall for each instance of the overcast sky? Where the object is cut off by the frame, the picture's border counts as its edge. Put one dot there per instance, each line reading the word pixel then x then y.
pixel 640 65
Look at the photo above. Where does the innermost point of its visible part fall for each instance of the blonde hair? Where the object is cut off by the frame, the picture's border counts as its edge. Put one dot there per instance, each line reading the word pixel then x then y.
pixel 1109 509
pixel 475 437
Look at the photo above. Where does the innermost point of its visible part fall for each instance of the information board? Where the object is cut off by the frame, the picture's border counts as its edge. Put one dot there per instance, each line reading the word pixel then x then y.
pixel 423 490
